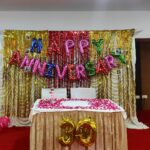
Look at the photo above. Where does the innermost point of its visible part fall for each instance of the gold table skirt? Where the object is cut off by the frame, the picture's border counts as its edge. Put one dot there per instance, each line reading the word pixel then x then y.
pixel 111 130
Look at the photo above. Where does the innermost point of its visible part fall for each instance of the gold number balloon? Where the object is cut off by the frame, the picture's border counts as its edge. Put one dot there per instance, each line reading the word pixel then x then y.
pixel 67 129
pixel 86 132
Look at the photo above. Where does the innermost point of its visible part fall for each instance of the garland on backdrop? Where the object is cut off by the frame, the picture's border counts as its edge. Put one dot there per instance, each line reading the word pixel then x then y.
pixel 38 59
pixel 119 85
pixel 45 69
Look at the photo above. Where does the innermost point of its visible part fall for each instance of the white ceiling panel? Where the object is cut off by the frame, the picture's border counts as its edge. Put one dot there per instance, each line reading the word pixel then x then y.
pixel 73 5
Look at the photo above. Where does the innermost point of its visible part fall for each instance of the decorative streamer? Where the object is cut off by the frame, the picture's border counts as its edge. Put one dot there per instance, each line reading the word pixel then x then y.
pixel 82 47
pixel 17 97
pixel 1 78
pixel 71 68
pixel 106 86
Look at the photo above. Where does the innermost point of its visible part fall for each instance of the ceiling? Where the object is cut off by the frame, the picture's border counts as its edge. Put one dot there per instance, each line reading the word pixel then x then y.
pixel 73 5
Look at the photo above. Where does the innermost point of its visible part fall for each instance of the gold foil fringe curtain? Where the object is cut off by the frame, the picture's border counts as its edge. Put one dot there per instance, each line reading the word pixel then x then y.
pixel 1 77
pixel 21 89
pixel 119 85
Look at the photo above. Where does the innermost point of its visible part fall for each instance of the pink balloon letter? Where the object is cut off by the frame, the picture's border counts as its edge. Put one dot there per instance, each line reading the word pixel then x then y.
pixel 83 44
pixel 110 61
pixel 61 76
pixel 68 44
pixel 42 68
pixel 80 71
pixel 25 61
pixel 31 62
pixel 35 67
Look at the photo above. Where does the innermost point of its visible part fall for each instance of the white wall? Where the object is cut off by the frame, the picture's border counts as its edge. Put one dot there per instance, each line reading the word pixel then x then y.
pixel 98 20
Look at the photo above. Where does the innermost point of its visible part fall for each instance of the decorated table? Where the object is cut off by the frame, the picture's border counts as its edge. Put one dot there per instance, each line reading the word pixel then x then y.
pixel 77 124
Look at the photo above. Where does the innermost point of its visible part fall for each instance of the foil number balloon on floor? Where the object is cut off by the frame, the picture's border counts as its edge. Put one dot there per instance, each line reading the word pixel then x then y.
pixel 84 132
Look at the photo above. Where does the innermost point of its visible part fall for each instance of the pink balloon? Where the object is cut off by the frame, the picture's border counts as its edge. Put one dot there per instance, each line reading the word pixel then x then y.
pixel 25 61
pixel 35 67
pixel 61 75
pixel 83 44
pixel 80 72
pixel 110 61
pixel 31 62
pixel 42 68
pixel 4 122
pixel 68 44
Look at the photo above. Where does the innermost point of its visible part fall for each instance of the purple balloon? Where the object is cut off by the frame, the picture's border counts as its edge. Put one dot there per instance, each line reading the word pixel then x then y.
pixel 80 72
pixel 31 62
pixel 61 75
pixel 25 61
pixel 110 62
pixel 35 67
pixel 41 68
pixel 83 44
pixel 68 44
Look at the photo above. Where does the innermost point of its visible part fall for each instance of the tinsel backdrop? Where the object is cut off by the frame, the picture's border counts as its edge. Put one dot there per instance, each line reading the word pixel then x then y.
pixel 99 59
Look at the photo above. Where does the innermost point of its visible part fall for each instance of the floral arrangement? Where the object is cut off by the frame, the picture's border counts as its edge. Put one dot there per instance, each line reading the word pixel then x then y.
pixel 98 104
